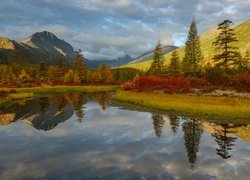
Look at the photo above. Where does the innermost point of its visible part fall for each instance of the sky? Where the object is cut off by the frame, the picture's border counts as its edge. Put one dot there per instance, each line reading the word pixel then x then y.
pixel 107 29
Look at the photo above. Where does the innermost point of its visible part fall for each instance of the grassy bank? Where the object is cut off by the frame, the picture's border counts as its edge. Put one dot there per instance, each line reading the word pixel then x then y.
pixel 36 91
pixel 194 106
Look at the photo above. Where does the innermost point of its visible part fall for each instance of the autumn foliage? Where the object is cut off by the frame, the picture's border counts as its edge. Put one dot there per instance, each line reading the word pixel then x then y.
pixel 149 83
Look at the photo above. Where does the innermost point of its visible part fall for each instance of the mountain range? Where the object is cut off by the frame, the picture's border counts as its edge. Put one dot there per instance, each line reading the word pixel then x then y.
pixel 46 47
pixel 242 32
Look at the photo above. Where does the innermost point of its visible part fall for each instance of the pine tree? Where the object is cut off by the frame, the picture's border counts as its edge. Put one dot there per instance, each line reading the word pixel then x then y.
pixel 228 55
pixel 80 67
pixel 244 64
pixel 174 66
pixel 193 54
pixel 156 67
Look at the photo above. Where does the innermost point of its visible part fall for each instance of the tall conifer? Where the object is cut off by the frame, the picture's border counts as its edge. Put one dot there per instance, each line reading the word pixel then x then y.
pixel 193 54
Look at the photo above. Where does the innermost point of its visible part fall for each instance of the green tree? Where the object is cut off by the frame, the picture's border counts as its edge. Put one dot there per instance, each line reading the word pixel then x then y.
pixel 62 68
pixel 42 72
pixel 80 67
pixel 228 53
pixel 174 66
pixel 157 66
pixel 193 54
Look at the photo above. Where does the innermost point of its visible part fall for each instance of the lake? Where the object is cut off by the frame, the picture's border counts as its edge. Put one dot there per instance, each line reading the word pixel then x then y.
pixel 84 136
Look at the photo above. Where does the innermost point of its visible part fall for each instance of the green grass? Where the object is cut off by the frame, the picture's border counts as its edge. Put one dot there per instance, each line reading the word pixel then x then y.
pixel 194 106
pixel 36 91
pixel 242 32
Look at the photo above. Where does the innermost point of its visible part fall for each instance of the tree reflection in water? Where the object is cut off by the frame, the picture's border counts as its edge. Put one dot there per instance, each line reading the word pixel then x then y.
pixel 192 136
pixel 174 123
pixel 225 142
pixel 158 123
pixel 45 113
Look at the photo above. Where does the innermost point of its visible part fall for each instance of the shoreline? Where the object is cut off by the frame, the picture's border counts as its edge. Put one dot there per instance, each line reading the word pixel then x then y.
pixel 208 107
pixel 22 93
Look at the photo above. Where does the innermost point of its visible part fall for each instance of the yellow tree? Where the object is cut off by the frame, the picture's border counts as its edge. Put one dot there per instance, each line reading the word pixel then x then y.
pixel 24 77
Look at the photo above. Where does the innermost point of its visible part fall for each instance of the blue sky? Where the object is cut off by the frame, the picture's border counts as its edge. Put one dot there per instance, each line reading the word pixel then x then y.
pixel 106 29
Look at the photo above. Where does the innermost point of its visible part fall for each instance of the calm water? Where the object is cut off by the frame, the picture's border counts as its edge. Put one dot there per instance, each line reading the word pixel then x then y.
pixel 82 136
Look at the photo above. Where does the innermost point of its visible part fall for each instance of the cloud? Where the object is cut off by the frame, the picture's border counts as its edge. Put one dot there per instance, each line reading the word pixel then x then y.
pixel 112 28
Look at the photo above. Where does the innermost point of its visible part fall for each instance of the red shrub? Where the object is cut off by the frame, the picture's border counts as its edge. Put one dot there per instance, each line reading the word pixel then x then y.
pixel 148 83
pixel 199 83
pixel 241 82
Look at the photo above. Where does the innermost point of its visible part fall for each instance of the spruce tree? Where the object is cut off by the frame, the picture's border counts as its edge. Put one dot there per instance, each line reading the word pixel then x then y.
pixel 193 54
pixel 156 67
pixel 174 66
pixel 228 54
pixel 79 67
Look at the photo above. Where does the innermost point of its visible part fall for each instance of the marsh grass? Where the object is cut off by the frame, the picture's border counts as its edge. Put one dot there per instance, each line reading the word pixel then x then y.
pixel 194 106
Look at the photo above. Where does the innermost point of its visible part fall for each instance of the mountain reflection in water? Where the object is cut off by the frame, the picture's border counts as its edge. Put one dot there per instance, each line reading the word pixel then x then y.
pixel 110 142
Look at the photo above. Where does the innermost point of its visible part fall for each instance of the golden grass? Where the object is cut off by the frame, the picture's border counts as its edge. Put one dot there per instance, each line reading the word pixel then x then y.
pixel 198 106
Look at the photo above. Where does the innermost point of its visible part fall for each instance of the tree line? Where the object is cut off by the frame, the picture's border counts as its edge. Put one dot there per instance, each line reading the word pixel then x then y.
pixel 227 60
pixel 16 73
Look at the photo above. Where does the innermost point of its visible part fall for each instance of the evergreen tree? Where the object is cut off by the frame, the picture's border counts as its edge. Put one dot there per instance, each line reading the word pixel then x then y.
pixel 228 55
pixel 193 54
pixel 62 68
pixel 156 67
pixel 42 72
pixel 192 136
pixel 174 66
pixel 80 67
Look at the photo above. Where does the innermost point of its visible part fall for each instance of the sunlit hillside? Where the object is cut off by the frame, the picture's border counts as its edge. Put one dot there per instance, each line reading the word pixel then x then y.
pixel 242 32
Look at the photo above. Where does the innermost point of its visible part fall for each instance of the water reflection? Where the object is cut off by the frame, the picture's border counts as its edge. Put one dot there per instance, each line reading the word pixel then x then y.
pixel 97 140
pixel 45 113
pixel 192 136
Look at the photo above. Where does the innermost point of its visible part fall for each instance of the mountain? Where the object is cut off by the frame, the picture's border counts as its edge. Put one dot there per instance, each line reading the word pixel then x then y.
pixel 39 47
pixel 113 63
pixel 242 32
pixel 149 55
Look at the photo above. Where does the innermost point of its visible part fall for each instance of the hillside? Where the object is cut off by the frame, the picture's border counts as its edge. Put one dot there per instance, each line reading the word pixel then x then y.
pixel 242 32
pixel 149 55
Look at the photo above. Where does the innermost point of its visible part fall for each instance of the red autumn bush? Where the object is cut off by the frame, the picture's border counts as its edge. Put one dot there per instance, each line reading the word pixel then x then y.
pixel 241 82
pixel 199 83
pixel 128 85
pixel 148 83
